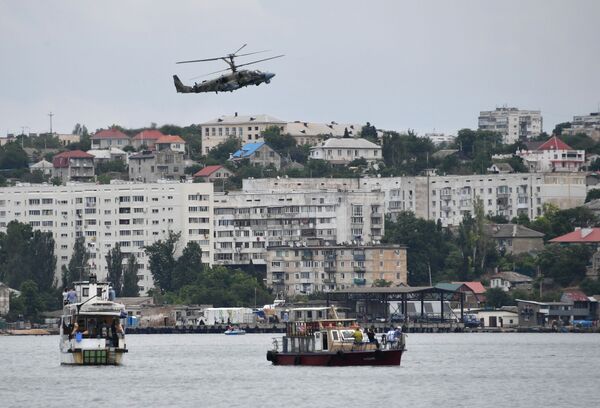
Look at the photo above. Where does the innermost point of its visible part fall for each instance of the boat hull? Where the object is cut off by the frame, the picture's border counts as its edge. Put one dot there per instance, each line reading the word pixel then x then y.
pixel 92 357
pixel 348 358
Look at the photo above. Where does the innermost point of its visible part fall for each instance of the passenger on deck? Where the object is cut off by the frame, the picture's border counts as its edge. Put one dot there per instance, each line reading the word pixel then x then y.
pixel 357 335
pixel 391 337
pixel 72 296
pixel 371 336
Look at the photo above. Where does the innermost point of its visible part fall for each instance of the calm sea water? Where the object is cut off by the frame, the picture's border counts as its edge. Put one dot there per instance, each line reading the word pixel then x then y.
pixel 192 370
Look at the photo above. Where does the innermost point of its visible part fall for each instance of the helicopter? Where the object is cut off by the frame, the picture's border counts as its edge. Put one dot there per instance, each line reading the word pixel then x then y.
pixel 231 81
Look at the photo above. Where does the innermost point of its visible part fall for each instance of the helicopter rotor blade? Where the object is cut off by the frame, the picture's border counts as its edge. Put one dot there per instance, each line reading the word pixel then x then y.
pixel 200 60
pixel 250 53
pixel 210 73
pixel 239 49
pixel 261 60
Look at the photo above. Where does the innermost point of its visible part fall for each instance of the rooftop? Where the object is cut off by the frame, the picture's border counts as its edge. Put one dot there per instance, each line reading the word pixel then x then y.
pixel 299 128
pixel 512 276
pixel 247 150
pixel 554 143
pixel 169 139
pixel 243 119
pixel 207 171
pixel 110 134
pixel 512 231
pixel 580 235
pixel 347 143
pixel 149 134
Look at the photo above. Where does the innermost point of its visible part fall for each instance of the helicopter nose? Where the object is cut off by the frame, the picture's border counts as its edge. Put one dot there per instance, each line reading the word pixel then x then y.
pixel 268 76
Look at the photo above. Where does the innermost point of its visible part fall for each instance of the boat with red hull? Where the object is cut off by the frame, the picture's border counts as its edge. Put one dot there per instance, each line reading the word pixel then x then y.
pixel 331 343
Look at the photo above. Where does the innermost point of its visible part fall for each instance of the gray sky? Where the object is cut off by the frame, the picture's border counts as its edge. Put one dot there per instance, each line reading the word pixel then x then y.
pixel 418 64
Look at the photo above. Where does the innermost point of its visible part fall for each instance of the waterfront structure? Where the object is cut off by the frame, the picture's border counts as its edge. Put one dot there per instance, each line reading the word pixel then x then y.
pixel 553 155
pixel 498 319
pixel 246 223
pixel 145 139
pixel 304 269
pixel 449 198
pixel 44 166
pixel 258 154
pixel 73 165
pixel 588 124
pixel 515 239
pixel 131 214
pixel 151 166
pixel 513 124
pixel 244 127
pixel 509 280
pixel 534 314
pixel 103 139
pixel 342 151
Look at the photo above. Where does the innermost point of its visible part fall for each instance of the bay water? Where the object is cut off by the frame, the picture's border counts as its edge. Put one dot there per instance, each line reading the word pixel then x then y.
pixel 213 370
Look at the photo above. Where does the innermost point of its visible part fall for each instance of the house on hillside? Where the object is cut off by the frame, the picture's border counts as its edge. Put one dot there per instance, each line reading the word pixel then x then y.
pixel 500 168
pixel 146 139
pixel 170 142
pixel 474 293
pixel 509 280
pixel 551 155
pixel 259 154
pixel 106 155
pixel 149 166
pixel 106 138
pixel 342 151
pixel 44 166
pixel 515 239
pixel 73 165
pixel 586 236
pixel 213 174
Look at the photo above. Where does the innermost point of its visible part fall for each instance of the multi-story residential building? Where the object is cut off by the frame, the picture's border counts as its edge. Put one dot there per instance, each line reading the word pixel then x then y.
pixel 512 123
pixel 106 138
pixel 133 215
pixel 449 198
pixel 246 223
pixel 146 139
pixel 304 269
pixel 313 134
pixel 151 166
pixel 588 124
pixel 345 150
pixel 244 127
pixel 552 155
pixel 170 142
pixel 259 154
pixel 73 165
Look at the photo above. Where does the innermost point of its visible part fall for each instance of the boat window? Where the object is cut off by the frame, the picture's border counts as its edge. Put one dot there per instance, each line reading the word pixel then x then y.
pixel 347 335
pixel 334 334
pixel 85 292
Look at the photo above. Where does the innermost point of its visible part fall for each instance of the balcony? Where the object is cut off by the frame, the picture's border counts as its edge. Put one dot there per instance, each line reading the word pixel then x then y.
pixel 330 269
pixel 330 257
pixel 360 269
pixel 329 281
pixel 359 257
pixel 360 281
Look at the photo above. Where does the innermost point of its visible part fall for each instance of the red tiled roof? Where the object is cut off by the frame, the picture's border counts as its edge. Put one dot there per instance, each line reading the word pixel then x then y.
pixel 61 160
pixel 110 134
pixel 207 171
pixel 554 143
pixel 574 296
pixel 476 287
pixel 170 139
pixel 149 134
pixel 580 235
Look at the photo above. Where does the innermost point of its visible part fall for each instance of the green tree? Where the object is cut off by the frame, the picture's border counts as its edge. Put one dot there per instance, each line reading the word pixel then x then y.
pixel 116 166
pixel 188 267
pixel 42 260
pixel 368 132
pixel 592 194
pixel 220 154
pixel 32 302
pixel 114 262
pixel 12 156
pixel 566 265
pixel 559 128
pixel 496 297
pixel 130 278
pixel 56 181
pixel 161 256
pixel 406 154
pixel 78 264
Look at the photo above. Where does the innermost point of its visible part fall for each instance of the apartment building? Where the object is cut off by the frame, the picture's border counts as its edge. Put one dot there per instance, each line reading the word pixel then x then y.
pixel 313 134
pixel 151 166
pixel 438 138
pixel 512 123
pixel 304 269
pixel 244 127
pixel 588 124
pixel 246 223
pixel 449 198
pixel 133 215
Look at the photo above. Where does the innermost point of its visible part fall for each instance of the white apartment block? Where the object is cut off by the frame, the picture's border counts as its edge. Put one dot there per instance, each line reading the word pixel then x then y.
pixel 246 223
pixel 294 270
pixel 244 127
pixel 312 134
pixel 133 215
pixel 339 150
pixel 588 124
pixel 512 123
pixel 448 198
pixel 438 138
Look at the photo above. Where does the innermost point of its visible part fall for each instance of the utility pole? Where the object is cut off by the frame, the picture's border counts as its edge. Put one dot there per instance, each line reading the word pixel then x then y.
pixel 45 139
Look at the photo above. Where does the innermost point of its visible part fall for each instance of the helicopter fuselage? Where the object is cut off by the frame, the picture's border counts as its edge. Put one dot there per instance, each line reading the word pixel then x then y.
pixel 226 83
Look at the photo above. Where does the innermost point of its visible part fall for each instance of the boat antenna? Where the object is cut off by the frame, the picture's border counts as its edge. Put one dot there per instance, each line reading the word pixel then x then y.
pixel 81 304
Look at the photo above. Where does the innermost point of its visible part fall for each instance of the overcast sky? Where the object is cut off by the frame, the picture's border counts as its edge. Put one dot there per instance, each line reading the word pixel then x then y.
pixel 421 64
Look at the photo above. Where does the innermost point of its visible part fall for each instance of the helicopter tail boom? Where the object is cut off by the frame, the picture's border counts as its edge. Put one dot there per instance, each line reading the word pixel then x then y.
pixel 181 88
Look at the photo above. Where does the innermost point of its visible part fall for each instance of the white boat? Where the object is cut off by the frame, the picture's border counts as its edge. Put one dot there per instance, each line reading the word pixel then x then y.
pixel 91 332
pixel 234 331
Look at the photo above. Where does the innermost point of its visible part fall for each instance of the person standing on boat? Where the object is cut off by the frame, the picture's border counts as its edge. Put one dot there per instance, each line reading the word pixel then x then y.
pixel 64 295
pixel 72 296
pixel 371 336
pixel 391 337
pixel 358 336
